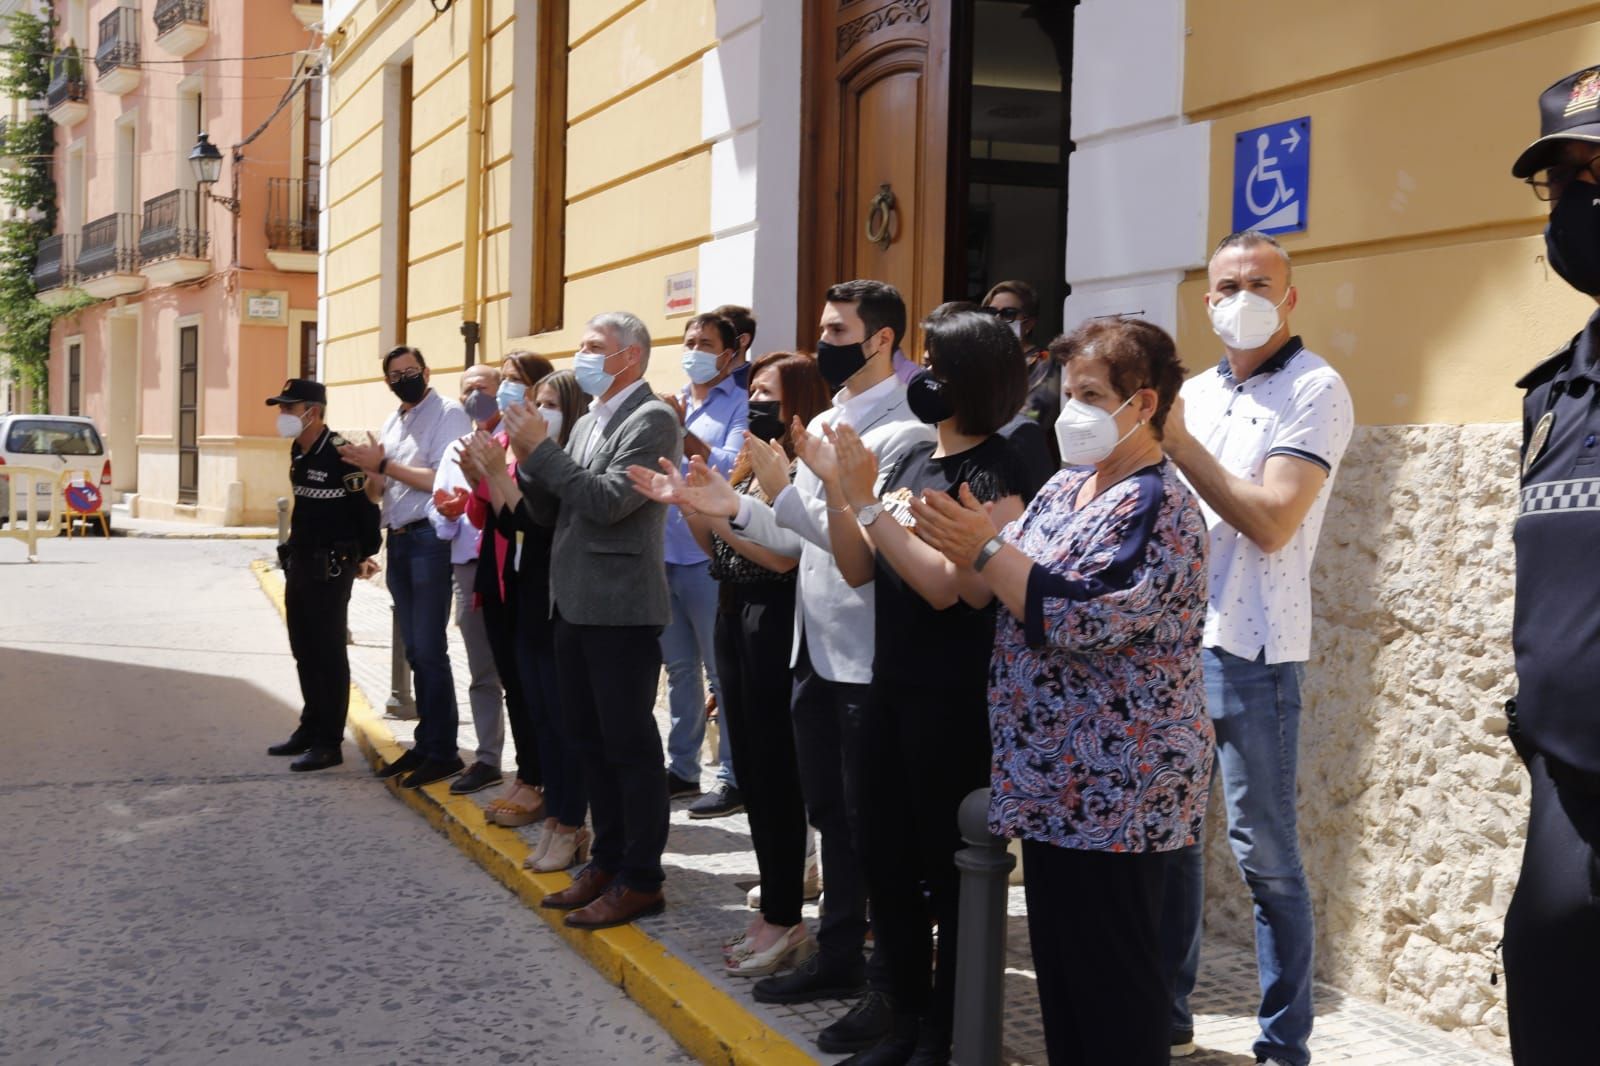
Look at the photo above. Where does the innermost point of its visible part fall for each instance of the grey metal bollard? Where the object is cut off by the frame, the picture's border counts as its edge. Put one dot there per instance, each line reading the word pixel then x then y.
pixel 985 865
pixel 400 704
pixel 283 520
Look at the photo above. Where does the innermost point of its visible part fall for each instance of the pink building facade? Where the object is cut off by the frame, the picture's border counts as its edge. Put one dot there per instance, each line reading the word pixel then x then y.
pixel 204 297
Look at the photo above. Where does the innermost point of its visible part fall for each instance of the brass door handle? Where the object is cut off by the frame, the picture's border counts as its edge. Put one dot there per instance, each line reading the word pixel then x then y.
pixel 880 217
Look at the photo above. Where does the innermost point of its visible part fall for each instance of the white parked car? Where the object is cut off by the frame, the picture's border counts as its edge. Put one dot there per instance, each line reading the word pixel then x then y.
pixel 59 444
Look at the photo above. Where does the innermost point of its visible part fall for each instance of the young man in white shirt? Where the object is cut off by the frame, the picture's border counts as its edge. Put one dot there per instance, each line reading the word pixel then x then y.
pixel 1259 437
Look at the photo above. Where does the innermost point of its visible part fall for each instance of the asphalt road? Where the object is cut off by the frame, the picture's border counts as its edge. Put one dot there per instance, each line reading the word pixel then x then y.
pixel 171 894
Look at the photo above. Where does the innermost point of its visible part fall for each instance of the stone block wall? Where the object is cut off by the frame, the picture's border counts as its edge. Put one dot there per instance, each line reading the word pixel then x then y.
pixel 1412 803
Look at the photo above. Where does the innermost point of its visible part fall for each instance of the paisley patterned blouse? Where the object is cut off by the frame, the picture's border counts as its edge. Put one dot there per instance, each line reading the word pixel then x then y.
pixel 1096 707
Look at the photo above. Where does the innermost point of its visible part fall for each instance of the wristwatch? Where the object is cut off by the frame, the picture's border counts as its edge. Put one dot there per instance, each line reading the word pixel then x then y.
pixel 869 514
pixel 383 464
pixel 990 549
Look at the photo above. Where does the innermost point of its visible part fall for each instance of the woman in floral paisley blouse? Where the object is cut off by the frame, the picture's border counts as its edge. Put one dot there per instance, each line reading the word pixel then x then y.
pixel 1102 746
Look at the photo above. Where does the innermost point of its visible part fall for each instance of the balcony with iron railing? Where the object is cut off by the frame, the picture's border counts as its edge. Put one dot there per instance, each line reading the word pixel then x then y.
pixel 292 216
pixel 117 57
pixel 182 26
pixel 309 14
pixel 53 267
pixel 173 243
pixel 67 96
pixel 108 257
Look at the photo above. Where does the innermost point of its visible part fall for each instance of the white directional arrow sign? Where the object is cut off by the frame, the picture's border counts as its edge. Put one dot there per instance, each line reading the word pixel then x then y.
pixel 1293 140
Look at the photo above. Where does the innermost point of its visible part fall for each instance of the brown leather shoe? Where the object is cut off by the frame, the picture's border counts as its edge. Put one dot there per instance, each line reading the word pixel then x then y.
pixel 588 886
pixel 618 906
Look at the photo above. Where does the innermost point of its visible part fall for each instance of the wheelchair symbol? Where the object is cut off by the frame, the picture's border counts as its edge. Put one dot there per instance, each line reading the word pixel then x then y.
pixel 1277 205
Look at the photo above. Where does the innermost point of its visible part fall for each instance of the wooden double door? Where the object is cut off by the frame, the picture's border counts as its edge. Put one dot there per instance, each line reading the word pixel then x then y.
pixel 887 163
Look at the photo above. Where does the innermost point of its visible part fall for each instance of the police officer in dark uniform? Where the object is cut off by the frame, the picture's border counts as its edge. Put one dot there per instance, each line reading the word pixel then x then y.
pixel 1552 940
pixel 333 535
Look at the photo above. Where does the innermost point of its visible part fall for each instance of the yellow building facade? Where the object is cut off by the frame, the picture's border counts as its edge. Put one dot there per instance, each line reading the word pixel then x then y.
pixel 524 165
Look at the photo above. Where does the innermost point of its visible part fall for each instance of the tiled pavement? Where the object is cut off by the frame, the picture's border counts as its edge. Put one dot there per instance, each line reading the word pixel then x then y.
pixel 706 861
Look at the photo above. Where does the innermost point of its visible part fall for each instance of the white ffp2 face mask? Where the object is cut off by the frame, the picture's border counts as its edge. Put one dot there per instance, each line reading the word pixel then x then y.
pixel 1245 321
pixel 289 425
pixel 552 417
pixel 1087 434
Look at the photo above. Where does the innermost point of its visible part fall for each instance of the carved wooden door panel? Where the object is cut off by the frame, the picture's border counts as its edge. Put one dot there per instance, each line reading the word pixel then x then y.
pixel 874 184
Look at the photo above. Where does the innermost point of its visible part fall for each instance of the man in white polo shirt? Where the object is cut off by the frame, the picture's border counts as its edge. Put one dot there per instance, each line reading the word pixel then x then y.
pixel 1259 437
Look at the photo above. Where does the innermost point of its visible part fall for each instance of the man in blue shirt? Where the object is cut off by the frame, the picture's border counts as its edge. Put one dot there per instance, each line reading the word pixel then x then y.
pixel 1552 936
pixel 714 408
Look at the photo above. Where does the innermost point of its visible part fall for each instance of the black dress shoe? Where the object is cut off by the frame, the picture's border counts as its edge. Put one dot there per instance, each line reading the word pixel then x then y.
pixel 409 760
pixel 895 1049
pixel 479 776
pixel 933 1045
pixel 868 1022
pixel 431 770
pixel 679 787
pixel 295 745
pixel 318 759
pixel 813 980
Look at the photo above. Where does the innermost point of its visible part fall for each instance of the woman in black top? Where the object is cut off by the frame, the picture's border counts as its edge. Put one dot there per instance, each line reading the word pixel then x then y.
pixel 927 741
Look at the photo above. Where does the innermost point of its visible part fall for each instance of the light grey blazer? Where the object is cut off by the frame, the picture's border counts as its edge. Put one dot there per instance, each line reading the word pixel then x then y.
pixel 606 565
pixel 834 619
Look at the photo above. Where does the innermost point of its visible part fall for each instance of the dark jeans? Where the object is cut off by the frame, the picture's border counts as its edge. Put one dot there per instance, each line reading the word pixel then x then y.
pixel 828 719
pixel 1553 927
pixel 419 578
pixel 566 797
pixel 499 618
pixel 608 693
pixel 1094 918
pixel 316 612
pixel 927 748
pixel 754 632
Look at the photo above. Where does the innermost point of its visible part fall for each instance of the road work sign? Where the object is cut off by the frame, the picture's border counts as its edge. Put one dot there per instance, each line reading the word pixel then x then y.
pixel 1272 177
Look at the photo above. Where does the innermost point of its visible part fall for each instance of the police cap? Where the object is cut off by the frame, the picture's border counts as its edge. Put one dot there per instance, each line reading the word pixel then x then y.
pixel 301 390
pixel 1568 111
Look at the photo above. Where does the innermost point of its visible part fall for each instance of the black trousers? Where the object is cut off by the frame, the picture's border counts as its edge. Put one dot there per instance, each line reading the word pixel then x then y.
pixel 828 721
pixel 1552 945
pixel 608 680
pixel 1094 918
pixel 926 749
pixel 500 620
pixel 755 629
pixel 317 612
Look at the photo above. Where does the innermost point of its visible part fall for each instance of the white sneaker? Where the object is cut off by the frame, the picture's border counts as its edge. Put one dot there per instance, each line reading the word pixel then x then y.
pixel 1182 1050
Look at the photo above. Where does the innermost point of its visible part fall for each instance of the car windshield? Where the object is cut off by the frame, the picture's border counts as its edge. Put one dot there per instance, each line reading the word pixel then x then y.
pixel 39 436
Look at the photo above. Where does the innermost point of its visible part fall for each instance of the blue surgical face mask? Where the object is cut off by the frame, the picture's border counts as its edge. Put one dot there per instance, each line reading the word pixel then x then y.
pixel 480 406
pixel 510 392
pixel 590 368
pixel 701 367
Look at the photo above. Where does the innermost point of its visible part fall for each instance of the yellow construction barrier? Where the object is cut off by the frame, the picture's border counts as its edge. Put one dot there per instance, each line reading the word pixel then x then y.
pixel 26 493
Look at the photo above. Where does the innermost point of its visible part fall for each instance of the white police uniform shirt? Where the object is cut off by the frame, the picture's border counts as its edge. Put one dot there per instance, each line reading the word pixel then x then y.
pixel 1294 404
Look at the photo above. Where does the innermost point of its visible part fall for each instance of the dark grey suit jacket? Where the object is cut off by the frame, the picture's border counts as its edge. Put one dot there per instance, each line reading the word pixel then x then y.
pixel 606 566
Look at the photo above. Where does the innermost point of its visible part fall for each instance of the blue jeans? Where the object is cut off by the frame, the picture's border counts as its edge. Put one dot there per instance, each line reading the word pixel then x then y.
pixel 1256 710
pixel 688 644
pixel 419 578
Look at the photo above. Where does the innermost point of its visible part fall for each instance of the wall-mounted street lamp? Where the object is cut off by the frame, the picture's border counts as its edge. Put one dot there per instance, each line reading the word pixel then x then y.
pixel 206 160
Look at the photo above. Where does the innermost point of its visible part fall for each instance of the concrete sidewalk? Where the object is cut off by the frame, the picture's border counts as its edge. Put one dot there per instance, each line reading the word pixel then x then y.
pixel 708 862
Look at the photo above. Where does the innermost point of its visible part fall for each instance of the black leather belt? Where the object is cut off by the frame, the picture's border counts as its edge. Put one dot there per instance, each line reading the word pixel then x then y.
pixel 409 526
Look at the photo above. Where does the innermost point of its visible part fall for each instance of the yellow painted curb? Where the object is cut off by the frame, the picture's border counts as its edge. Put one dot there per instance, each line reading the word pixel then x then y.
pixel 708 1022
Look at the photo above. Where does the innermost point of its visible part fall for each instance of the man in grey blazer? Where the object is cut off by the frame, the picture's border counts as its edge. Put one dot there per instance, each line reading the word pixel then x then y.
pixel 862 325
pixel 608 596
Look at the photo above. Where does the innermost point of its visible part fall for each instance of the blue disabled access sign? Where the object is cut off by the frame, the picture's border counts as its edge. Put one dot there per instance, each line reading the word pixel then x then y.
pixel 1272 177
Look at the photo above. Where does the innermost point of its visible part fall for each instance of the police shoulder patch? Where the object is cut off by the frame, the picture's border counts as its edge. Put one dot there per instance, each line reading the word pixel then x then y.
pixel 356 482
pixel 336 440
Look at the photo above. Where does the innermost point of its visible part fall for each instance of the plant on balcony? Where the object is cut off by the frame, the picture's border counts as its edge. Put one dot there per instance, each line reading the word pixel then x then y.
pixel 25 323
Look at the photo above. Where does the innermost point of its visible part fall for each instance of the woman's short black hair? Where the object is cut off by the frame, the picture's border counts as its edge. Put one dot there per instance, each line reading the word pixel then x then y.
pixel 1137 354
pixel 979 362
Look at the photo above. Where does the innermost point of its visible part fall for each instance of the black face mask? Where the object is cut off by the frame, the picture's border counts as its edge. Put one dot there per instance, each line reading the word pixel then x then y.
pixel 766 423
pixel 410 390
pixel 1572 239
pixel 839 362
pixel 925 395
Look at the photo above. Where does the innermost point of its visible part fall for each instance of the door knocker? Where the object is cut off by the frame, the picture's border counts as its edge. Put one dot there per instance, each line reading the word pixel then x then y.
pixel 880 217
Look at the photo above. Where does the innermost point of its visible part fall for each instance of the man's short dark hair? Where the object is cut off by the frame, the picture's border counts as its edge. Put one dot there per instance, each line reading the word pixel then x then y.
pixel 1026 295
pixel 980 363
pixel 878 304
pixel 725 329
pixel 743 319
pixel 404 349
